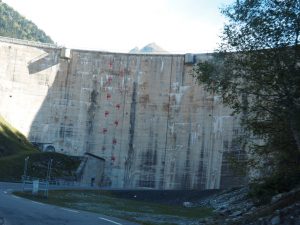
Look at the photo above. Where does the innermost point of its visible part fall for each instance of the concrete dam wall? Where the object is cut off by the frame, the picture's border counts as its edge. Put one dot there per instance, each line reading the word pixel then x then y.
pixel 145 115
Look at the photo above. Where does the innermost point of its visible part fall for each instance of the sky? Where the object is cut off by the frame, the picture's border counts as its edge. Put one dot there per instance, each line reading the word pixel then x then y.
pixel 178 26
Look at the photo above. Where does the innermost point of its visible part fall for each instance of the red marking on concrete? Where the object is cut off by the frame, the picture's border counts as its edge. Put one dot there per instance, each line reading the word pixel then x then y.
pixel 108 96
pixel 116 123
pixel 106 113
pixel 113 158
pixel 104 130
pixel 118 106
pixel 114 141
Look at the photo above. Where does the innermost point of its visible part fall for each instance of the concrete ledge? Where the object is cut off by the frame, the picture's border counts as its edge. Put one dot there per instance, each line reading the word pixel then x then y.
pixel 28 43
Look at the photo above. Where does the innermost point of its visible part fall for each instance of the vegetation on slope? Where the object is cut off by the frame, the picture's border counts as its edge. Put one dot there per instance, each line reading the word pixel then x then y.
pixel 14 148
pixel 12 141
pixel 12 24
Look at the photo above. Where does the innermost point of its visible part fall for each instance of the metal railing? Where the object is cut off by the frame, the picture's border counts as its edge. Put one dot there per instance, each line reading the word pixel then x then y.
pixel 43 185
pixel 35 185
pixel 28 43
pixel 53 182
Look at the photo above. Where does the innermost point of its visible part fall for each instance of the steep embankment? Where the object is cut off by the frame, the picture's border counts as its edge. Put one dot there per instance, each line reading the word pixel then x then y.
pixel 12 142
pixel 236 207
pixel 14 148
pixel 14 25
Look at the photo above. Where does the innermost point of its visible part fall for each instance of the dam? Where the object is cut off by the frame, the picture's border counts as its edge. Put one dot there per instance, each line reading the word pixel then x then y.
pixel 143 116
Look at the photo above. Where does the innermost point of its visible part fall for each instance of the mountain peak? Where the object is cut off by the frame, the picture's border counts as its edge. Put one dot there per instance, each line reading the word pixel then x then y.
pixel 151 48
pixel 134 50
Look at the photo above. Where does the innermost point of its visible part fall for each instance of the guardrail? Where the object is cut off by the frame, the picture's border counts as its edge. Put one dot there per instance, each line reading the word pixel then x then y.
pixel 29 43
pixel 35 185
pixel 61 182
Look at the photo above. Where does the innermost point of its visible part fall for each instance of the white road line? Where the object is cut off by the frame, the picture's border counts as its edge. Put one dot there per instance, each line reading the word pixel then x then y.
pixel 39 203
pixel 70 210
pixel 5 192
pixel 101 218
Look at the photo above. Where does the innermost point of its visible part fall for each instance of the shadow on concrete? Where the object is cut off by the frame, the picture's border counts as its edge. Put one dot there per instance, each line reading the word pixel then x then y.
pixel 43 61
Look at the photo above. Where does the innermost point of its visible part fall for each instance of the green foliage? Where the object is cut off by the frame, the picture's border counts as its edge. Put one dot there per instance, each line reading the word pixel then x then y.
pixel 12 24
pixel 256 70
pixel 12 167
pixel 262 192
pixel 62 165
pixel 12 141
pixel 237 166
pixel 14 148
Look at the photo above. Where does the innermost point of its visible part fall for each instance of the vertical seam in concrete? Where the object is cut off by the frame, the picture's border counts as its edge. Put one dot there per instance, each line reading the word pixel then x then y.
pixel 69 63
pixel 167 128
pixel 203 169
pixel 128 161
pixel 15 61
pixel 187 171
pixel 81 109
pixel 211 150
pixel 123 105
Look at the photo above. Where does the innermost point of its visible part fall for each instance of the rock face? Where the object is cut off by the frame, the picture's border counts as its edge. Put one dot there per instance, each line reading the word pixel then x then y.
pixel 151 48
pixel 145 115
pixel 134 50
pixel 235 207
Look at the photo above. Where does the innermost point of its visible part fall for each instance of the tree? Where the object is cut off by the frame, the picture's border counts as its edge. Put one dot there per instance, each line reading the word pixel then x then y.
pixel 256 70
pixel 12 24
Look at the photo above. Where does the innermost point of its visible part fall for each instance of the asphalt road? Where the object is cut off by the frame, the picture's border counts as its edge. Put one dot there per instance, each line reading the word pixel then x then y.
pixel 18 211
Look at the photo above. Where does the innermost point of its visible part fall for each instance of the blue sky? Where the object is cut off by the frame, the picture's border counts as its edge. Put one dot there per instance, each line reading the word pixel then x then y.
pixel 178 26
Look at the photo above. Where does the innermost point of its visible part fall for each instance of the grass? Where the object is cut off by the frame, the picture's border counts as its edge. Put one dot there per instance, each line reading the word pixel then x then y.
pixel 12 141
pixel 12 167
pixel 14 148
pixel 106 202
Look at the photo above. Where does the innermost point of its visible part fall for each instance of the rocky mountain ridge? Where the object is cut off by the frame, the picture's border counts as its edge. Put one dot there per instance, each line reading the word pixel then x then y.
pixel 151 48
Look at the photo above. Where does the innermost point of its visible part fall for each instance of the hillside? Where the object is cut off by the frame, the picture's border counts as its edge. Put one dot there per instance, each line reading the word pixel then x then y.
pixel 12 141
pixel 14 148
pixel 14 25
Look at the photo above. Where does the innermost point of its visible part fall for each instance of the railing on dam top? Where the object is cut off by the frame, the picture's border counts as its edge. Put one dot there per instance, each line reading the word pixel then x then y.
pixel 29 43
